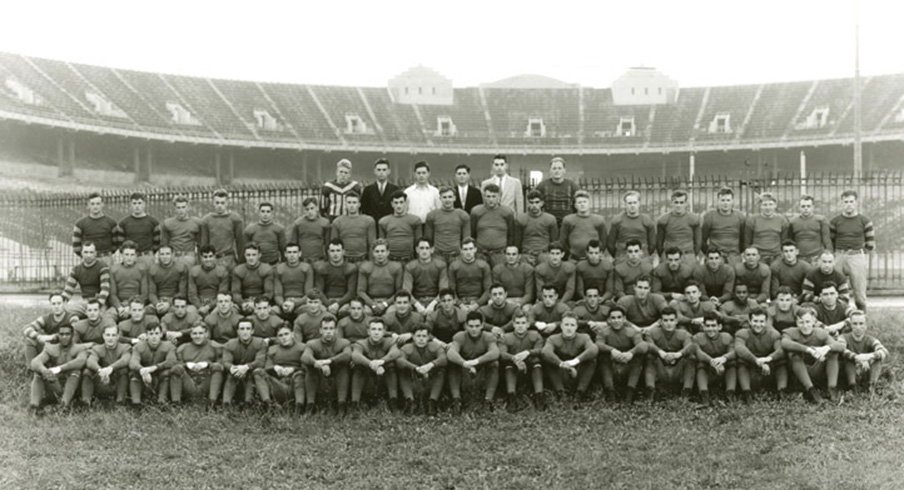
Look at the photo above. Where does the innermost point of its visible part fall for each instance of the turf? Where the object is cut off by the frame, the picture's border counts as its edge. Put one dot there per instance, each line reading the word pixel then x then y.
pixel 675 444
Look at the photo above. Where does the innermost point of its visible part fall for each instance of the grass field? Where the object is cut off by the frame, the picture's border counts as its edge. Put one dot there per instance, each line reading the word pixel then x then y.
pixel 855 444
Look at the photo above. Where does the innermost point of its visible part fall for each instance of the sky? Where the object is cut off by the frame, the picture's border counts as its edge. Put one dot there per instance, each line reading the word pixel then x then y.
pixel 365 43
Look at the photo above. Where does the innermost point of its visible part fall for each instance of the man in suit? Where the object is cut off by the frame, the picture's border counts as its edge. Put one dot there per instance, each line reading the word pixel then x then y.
pixel 466 195
pixel 512 192
pixel 376 201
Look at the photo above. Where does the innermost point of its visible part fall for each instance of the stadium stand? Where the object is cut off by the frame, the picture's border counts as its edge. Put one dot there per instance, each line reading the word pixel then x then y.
pixel 466 115
pixel 208 106
pixel 512 109
pixel 300 110
pixel 399 122
pixel 731 104
pixel 239 113
pixel 48 91
pixel 249 102
pixel 343 105
pixel 777 105
pixel 159 94
pixel 834 96
pixel 135 104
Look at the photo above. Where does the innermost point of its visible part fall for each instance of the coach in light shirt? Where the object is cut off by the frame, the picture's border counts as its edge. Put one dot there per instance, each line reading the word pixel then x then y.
pixel 512 194
pixel 422 197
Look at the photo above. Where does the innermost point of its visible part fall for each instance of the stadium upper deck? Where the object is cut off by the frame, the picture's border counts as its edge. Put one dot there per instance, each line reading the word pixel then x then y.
pixel 575 120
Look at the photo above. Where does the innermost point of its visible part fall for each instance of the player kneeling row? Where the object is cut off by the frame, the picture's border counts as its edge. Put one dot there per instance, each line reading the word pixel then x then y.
pixel 290 371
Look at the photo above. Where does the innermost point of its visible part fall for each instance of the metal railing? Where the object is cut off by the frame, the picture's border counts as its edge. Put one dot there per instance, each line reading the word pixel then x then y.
pixel 36 227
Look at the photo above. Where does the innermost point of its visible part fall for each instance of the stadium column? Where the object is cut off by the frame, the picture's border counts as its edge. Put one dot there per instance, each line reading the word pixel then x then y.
pixel 66 155
pixel 227 175
pixel 803 172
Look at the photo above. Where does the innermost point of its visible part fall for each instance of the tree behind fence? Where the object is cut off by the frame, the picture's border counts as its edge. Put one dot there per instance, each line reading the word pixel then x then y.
pixel 36 227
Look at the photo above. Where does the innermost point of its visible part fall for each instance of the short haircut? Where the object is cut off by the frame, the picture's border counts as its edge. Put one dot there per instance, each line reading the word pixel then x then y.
pixel 500 156
pixel 581 193
pixel 344 163
pixel 850 193
pixel 207 249
pixel 758 311
pixel 462 166
pixel 518 314
pixel 614 309
pixel 420 326
pixel 292 244
pixel 767 196
pixel 548 287
pixel 89 243
pixel 535 194
pixel 55 293
pixel 381 161
pixel 328 318
pixel 668 310
pixel 403 294
pixel 827 285
pixel 594 244
pixel 512 245
pixel 806 197
pixel 672 251
pixel 557 160
pixel 378 242
pixel 693 283
pixel 180 198
pixel 421 164
pixel 220 193
pixel 633 242
pixel 805 310
pixel 138 196
pixel 94 195
pixel 337 241
pixel 261 299
pixel 444 189
pixel 474 315
pixel 265 204
pixel 93 301
pixel 629 194
pixel 569 314
pixel 353 193
pixel 711 315
pixel 494 188
pixel 496 285
pixel 783 290
pixel 555 246
pixel 644 278
pixel 678 193
pixel 375 319
pixel 128 245
pixel 313 294
pixel 789 243
pixel 446 292
pixel 725 191
pixel 425 239
pixel 180 297
pixel 308 201
pixel 136 300
pixel 468 241
pixel 252 246
pixel 399 194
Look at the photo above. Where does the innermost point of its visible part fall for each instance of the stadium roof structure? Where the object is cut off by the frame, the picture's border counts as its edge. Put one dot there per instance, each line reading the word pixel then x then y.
pixel 486 119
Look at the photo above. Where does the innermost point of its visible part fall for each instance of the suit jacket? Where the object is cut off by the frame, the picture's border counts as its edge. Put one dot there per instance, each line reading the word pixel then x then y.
pixel 512 193
pixel 375 205
pixel 473 198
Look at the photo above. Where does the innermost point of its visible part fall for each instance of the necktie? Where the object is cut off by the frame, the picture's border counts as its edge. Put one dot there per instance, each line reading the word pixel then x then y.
pixel 464 195
pixel 500 183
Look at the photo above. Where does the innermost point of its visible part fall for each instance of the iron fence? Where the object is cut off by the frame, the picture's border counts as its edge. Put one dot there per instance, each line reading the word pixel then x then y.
pixel 36 227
